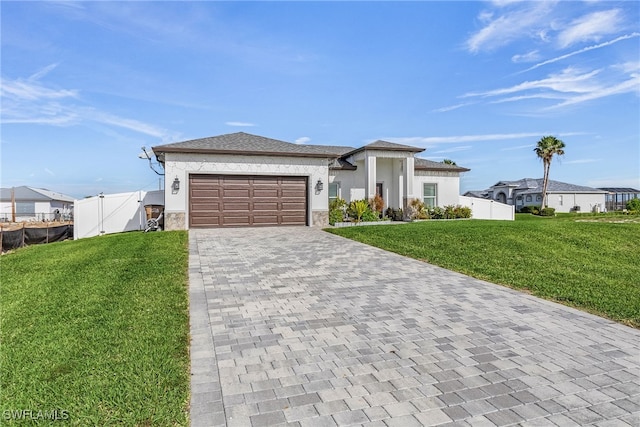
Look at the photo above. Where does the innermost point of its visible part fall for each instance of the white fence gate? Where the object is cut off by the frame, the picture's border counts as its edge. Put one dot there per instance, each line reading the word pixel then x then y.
pixel 488 209
pixel 113 213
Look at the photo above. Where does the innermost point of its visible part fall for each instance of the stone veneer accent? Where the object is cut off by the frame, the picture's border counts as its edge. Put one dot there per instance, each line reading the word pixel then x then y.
pixel 174 221
pixel 320 218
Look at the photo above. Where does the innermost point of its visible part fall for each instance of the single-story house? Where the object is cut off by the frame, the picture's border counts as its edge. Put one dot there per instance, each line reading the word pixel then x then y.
pixel 34 204
pixel 561 196
pixel 241 179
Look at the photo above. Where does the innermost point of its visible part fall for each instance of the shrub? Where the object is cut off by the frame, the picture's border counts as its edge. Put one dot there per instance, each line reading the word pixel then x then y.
pixel 377 204
pixel 357 208
pixel 336 210
pixel 394 214
pixel 463 211
pixel 436 213
pixel 417 210
pixel 547 212
pixel 530 209
pixel 633 205
pixel 336 215
pixel 370 215
pixel 449 212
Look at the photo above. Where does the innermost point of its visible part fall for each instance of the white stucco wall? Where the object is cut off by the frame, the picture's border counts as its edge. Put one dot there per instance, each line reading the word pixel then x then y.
pixel 564 202
pixel 351 183
pixel 389 172
pixel 181 165
pixel 448 186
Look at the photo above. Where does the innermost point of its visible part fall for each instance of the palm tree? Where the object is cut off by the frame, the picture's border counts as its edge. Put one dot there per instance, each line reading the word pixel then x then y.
pixel 449 162
pixel 546 148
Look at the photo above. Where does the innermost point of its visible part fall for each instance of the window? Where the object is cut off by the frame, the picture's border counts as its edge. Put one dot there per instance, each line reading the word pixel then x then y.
pixel 560 200
pixel 429 195
pixel 528 198
pixel 25 208
pixel 538 198
pixel 334 191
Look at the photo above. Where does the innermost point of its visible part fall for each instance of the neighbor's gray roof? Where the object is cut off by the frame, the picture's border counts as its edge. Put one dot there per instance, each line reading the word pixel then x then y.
pixel 478 194
pixel 430 165
pixel 534 186
pixel 245 143
pixel 31 194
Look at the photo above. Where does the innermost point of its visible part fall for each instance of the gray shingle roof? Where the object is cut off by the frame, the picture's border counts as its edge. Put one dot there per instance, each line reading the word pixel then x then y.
pixel 245 143
pixel 430 165
pixel 534 186
pixel 31 194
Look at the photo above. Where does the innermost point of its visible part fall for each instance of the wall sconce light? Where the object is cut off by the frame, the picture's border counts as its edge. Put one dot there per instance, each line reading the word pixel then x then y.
pixel 175 187
pixel 319 186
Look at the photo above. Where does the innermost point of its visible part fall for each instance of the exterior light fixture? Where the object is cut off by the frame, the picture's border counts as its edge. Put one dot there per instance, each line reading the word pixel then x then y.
pixel 319 185
pixel 175 187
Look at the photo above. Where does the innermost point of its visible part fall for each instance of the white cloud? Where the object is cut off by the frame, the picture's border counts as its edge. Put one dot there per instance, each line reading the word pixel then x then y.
pixel 534 55
pixel 520 20
pixel 569 80
pixel 302 140
pixel 434 140
pixel 452 107
pixel 49 171
pixel 240 124
pixel 591 27
pixel 518 147
pixel 31 102
pixel 571 86
pixel 586 49
pixel 454 149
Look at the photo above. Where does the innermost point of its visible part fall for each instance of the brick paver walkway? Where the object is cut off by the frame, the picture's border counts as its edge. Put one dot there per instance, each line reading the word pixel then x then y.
pixel 297 326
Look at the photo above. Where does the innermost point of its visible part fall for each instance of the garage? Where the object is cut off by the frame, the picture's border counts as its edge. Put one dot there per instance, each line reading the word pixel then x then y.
pixel 240 200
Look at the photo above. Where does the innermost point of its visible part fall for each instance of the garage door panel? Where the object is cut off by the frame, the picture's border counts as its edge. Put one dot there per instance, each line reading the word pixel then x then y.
pixel 265 207
pixel 265 192
pixel 199 193
pixel 205 207
pixel 235 201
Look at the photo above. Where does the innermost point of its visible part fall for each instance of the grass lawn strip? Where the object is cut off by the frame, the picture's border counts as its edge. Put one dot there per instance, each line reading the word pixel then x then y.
pixel 97 328
pixel 594 266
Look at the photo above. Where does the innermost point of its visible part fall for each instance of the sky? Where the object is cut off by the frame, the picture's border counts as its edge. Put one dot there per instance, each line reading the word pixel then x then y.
pixel 86 84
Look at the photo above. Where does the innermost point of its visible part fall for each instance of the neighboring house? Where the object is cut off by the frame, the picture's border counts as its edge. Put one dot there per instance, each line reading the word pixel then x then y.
pixel 35 204
pixel 617 197
pixel 241 179
pixel 561 196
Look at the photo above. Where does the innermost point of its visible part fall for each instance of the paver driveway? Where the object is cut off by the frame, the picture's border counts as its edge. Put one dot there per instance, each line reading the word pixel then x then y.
pixel 295 325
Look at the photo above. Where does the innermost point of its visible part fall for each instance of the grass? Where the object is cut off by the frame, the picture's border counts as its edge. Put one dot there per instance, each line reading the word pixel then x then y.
pixel 97 329
pixel 594 266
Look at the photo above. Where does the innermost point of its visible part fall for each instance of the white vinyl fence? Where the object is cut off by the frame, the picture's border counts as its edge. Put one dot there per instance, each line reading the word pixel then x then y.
pixel 488 209
pixel 113 213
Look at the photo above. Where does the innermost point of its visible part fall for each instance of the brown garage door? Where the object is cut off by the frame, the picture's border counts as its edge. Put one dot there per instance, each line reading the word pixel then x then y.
pixel 235 201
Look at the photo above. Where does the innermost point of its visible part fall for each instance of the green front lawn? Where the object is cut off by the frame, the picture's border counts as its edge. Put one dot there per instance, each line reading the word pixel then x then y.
pixel 97 330
pixel 594 266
